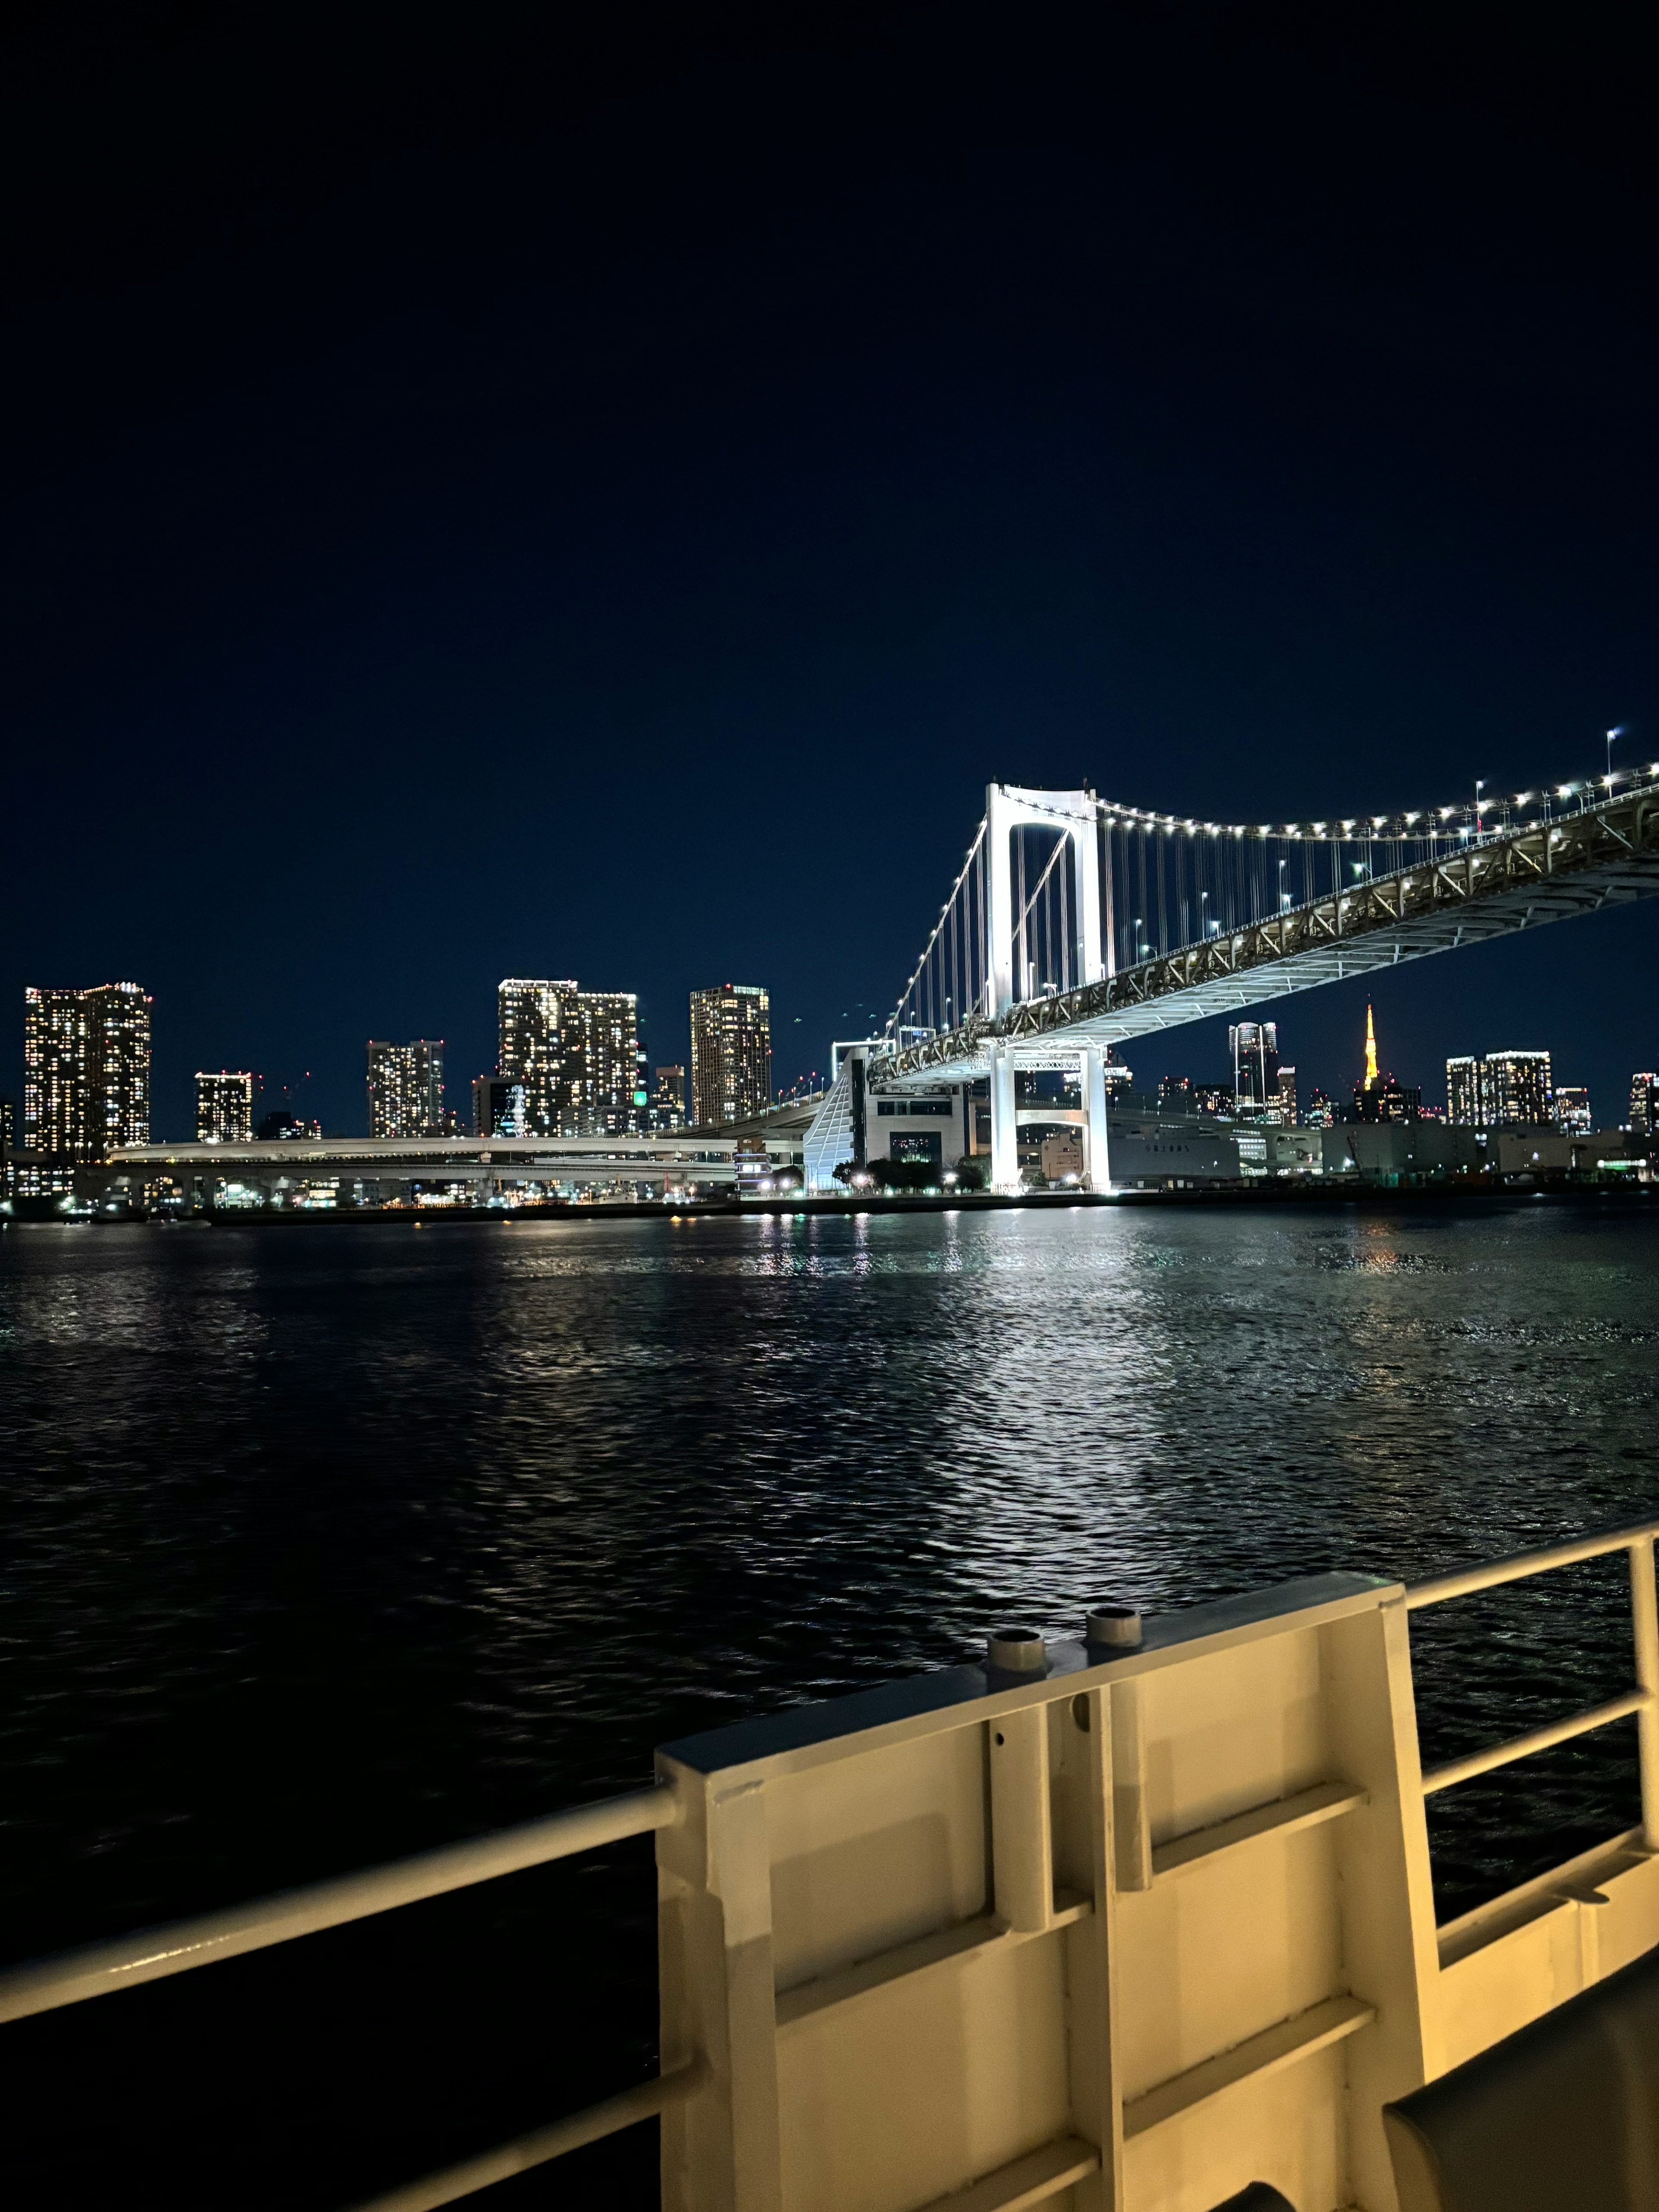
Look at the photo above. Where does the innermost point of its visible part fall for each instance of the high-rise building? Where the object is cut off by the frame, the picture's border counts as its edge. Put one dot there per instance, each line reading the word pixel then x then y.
pixel 1254 1048
pixel 406 1087
pixel 730 1053
pixel 224 1108
pixel 1115 1076
pixel 1175 1095
pixel 595 1094
pixel 530 1018
pixel 497 1107
pixel 1466 1092
pixel 1321 1112
pixel 1213 1098
pixel 1517 1089
pixel 1644 1104
pixel 86 1070
pixel 575 1053
pixel 668 1098
pixel 1386 1100
pixel 1572 1110
pixel 1282 1107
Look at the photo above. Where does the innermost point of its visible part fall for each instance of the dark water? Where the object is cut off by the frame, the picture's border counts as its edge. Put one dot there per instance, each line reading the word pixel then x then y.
pixel 322 1544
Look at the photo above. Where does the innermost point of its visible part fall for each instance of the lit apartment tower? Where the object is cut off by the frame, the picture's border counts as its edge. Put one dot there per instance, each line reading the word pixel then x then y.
pixel 1572 1111
pixel 406 1087
pixel 730 1053
pixel 86 1070
pixel 595 1093
pixel 1644 1104
pixel 1254 1048
pixel 1518 1091
pixel 1466 1092
pixel 530 1018
pixel 224 1108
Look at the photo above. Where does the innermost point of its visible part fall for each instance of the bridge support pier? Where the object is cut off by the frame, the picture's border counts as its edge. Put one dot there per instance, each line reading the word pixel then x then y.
pixel 1093 1072
pixel 1004 1126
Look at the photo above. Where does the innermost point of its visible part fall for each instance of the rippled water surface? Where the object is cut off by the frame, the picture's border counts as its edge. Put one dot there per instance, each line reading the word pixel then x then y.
pixel 324 1543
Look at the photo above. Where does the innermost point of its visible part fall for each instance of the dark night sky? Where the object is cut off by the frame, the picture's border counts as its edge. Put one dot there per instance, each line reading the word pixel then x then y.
pixel 590 492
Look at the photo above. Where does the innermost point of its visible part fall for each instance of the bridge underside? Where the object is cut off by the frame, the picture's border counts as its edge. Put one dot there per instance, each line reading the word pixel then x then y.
pixel 1553 872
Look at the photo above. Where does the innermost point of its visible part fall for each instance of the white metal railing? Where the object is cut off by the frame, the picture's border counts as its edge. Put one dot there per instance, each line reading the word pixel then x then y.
pixel 1642 1699
pixel 154 1952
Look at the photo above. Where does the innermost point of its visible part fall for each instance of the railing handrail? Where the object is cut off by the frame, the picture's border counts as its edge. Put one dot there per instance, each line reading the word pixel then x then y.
pixel 1462 1581
pixel 149 1953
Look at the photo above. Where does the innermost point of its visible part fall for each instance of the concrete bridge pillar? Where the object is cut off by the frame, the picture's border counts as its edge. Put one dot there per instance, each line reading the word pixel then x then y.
pixel 1005 1134
pixel 1094 1108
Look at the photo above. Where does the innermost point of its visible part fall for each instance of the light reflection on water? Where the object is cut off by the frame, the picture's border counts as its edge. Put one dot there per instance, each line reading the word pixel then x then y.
pixel 446 1529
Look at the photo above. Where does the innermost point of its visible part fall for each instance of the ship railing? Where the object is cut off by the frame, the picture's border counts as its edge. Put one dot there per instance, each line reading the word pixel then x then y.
pixel 152 1953
pixel 1641 1699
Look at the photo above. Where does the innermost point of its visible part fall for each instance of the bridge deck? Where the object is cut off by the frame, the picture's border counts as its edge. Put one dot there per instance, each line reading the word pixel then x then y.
pixel 1548 873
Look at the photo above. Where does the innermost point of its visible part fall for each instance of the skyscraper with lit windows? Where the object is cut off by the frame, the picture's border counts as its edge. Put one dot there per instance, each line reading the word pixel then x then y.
pixel 224 1108
pixel 406 1087
pixel 730 1053
pixel 86 1070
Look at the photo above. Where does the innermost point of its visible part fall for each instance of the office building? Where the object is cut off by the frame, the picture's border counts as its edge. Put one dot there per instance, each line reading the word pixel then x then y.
pixel 1116 1077
pixel 1385 1099
pixel 1282 1108
pixel 1572 1110
pixel 1321 1112
pixel 668 1098
pixel 1213 1098
pixel 730 1053
pixel 1644 1104
pixel 406 1087
pixel 86 1071
pixel 1254 1049
pixel 1518 1091
pixel 1175 1095
pixel 224 1108
pixel 497 1107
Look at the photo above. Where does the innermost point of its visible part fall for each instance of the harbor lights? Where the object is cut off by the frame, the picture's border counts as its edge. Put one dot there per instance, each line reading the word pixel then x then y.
pixel 1617 731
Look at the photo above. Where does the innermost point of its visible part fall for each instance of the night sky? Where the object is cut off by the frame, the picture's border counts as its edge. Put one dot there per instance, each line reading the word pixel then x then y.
pixel 598 492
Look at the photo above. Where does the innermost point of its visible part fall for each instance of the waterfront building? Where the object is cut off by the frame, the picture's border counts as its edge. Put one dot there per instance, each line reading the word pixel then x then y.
pixel 86 1071
pixel 224 1106
pixel 730 1053
pixel 1572 1110
pixel 1322 1113
pixel 497 1107
pixel 601 1035
pixel 406 1087
pixel 1254 1049
pixel 531 1016
pixel 1282 1107
pixel 1466 1098
pixel 668 1098
pixel 1644 1104
pixel 1517 1089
